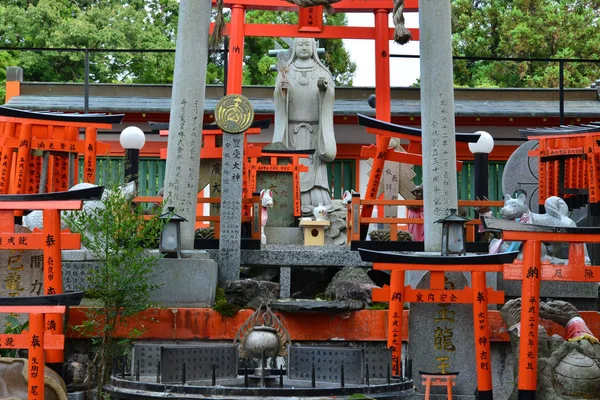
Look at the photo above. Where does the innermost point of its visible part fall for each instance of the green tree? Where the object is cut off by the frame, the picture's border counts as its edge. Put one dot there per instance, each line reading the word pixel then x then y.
pixel 118 236
pixel 525 29
pixel 140 24
pixel 130 24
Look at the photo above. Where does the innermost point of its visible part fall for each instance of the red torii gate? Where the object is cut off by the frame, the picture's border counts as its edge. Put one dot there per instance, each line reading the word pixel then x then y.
pixel 531 271
pixel 37 340
pixel 51 240
pixel 310 25
pixel 479 295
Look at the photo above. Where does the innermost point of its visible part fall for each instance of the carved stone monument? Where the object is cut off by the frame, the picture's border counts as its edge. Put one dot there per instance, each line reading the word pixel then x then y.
pixel 437 111
pixel 233 114
pixel 304 96
pixel 441 338
pixel 187 113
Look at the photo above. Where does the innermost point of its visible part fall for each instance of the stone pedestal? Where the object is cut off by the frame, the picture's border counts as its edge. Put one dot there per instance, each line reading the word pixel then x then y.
pixel 190 281
pixel 314 232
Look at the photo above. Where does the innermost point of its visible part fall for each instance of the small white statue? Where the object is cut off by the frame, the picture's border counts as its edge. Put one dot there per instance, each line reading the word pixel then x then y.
pixel 266 202
pixel 347 197
pixel 320 212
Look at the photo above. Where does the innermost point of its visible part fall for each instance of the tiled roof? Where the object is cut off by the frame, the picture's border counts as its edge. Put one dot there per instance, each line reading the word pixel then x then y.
pixel 342 107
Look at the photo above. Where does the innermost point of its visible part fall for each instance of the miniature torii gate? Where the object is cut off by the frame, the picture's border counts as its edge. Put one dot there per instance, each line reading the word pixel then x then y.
pixel 37 340
pixel 51 240
pixel 295 167
pixel 531 271
pixel 478 295
pixel 569 164
pixel 55 135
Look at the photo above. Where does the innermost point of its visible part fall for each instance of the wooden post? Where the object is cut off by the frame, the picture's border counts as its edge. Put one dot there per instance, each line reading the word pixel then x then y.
pixel 89 156
pixel 395 319
pixel 236 49
pixel 7 157
pixel 53 275
pixel 483 355
pixel 382 111
pixel 20 182
pixel 36 357
pixel 256 216
pixel 530 299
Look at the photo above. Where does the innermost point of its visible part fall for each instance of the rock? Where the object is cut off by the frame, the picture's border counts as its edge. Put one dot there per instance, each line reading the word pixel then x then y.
pixel 261 273
pixel 351 283
pixel 251 293
pixel 333 217
pixel 332 232
pixel 340 240
pixel 338 224
pixel 13 380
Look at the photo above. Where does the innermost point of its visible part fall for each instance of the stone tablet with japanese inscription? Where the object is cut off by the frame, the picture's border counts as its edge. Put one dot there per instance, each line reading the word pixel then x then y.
pixel 21 271
pixel 231 207
pixel 281 185
pixel 441 338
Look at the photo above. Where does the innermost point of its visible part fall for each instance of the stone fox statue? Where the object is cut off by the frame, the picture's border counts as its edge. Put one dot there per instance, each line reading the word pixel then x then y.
pixel 304 95
pixel 556 214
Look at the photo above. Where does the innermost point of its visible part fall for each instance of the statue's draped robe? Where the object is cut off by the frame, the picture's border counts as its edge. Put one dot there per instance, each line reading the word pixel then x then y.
pixel 304 121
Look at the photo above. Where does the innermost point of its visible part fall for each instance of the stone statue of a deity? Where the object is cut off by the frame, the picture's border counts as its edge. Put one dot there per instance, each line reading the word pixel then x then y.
pixel 304 95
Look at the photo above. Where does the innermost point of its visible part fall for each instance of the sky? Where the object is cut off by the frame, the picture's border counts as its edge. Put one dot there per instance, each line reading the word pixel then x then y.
pixel 403 71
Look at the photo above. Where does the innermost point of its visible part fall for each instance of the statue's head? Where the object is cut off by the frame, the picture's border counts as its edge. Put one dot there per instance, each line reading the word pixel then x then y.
pixel 304 48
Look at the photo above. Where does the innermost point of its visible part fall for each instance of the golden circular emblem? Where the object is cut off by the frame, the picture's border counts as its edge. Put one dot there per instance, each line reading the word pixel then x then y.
pixel 234 113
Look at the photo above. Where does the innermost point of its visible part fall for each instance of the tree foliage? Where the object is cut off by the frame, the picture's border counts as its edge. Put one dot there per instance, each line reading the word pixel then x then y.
pixel 117 235
pixel 525 29
pixel 130 24
pixel 96 24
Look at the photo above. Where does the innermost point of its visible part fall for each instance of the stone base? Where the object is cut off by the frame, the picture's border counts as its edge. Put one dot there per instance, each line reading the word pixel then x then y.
pixel 280 235
pixel 185 282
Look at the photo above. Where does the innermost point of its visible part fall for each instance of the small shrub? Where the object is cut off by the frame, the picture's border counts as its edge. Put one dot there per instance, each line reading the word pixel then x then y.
pixel 117 236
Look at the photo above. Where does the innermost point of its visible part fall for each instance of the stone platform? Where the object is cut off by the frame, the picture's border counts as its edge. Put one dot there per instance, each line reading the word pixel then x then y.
pixel 288 256
pixel 190 281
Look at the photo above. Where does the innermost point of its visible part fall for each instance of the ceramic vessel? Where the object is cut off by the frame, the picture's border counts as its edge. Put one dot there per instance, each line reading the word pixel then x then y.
pixel 320 212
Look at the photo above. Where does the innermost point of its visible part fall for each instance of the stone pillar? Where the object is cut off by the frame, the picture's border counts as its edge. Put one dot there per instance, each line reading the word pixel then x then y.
pixel 231 207
pixel 187 112
pixel 437 113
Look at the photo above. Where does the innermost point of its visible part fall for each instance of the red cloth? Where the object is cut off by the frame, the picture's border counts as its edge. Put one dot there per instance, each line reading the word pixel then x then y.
pixel 416 230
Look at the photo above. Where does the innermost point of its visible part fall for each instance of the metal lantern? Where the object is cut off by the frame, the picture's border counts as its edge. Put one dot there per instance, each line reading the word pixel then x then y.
pixel 170 237
pixel 453 234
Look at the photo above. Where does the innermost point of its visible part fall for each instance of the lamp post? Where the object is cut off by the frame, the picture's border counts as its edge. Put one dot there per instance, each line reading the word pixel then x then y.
pixel 481 150
pixel 132 139
pixel 453 234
